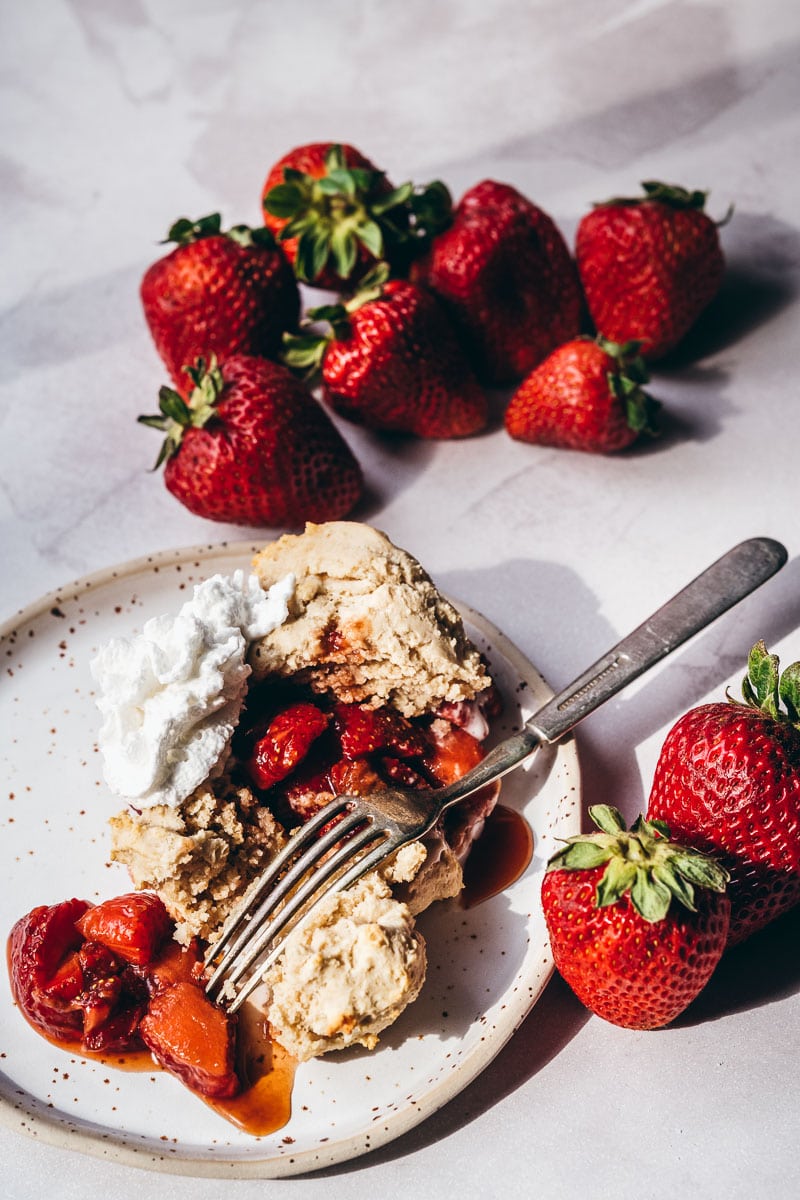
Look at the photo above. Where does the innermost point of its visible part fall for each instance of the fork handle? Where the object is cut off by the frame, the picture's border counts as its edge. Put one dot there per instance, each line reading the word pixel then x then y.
pixel 718 588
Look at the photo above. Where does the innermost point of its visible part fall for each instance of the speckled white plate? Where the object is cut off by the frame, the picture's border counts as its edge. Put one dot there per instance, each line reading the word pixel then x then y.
pixel 487 965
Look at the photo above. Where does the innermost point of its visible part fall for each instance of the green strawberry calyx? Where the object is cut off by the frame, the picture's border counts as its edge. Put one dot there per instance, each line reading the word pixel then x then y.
pixel 184 232
pixel 304 352
pixel 344 209
pixel 177 415
pixel 772 691
pixel 626 382
pixel 641 862
pixel 670 194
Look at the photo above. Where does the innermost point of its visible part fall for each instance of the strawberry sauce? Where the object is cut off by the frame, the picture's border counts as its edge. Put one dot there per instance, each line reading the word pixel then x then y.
pixel 498 857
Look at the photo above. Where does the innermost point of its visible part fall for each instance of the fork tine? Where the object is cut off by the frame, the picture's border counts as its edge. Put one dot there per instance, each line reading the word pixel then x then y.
pixel 315 892
pixel 297 843
pixel 268 915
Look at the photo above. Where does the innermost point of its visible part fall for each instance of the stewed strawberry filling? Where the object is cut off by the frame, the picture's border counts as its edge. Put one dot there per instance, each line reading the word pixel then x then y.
pixel 109 978
pixel 299 749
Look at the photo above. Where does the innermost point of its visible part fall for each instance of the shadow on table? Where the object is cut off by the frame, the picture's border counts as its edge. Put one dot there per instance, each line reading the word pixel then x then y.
pixel 762 970
pixel 556 1019
pixel 759 282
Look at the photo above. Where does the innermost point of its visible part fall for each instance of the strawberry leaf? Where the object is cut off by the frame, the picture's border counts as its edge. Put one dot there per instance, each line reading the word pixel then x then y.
pixel 700 869
pixel 649 896
pixel 184 231
pixel 679 887
pixel 285 199
pixel 606 818
pixel 338 183
pixel 304 353
pixel 370 235
pixel 618 878
pixel 343 250
pixel 641 862
pixel 394 199
pixel 580 854
pixel 760 685
pixel 334 158
pixel 789 688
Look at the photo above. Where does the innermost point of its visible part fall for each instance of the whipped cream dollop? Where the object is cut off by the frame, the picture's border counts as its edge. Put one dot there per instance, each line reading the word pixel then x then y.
pixel 171 696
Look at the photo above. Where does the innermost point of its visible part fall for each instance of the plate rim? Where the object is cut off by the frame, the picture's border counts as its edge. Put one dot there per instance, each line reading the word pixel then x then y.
pixel 58 1131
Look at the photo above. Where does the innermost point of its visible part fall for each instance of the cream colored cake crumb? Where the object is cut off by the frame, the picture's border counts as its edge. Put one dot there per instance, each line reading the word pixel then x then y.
pixel 365 623
pixel 347 973
pixel 201 856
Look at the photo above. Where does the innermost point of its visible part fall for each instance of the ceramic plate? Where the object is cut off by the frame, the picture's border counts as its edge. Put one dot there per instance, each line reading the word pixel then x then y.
pixel 487 964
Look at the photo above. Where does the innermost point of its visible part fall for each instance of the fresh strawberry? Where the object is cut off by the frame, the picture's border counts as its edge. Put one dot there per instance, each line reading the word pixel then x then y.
pixel 335 214
pixel 134 926
pixel 286 743
pixel 649 265
pixel 586 395
pixel 728 782
pixel 505 274
pixel 218 294
pixel 253 448
pixel 637 923
pixel 392 361
pixel 192 1038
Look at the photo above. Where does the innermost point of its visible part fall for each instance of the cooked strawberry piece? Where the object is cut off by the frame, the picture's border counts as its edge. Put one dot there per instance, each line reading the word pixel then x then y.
pixel 133 926
pixel 398 771
pixel 119 1032
pixel 193 1039
pixel 363 730
pixel 40 943
pixel 354 777
pixel 174 964
pixel 97 960
pixel 286 743
pixel 454 752
pixel 99 1000
pixel 66 982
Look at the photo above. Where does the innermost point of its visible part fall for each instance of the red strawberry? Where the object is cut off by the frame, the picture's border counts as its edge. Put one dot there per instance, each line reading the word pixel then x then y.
pixel 455 751
pixel 363 730
pixel 134 926
pixel 335 214
pixel 72 989
pixel 393 362
pixel 728 782
pixel 649 265
pixel 637 923
pixel 586 395
pixel 191 1038
pixel 286 743
pixel 218 294
pixel 506 276
pixel 253 448
pixel 41 943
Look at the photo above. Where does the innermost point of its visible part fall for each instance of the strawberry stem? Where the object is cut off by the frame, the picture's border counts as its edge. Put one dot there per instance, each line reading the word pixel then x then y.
pixel 176 415
pixel 641 862
pixel 344 209
pixel 765 687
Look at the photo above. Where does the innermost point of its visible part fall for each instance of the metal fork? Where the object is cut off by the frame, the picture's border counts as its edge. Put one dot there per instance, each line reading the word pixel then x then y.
pixel 354 835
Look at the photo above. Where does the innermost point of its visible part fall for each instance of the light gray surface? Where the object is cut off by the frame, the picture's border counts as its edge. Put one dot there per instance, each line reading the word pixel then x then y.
pixel 118 117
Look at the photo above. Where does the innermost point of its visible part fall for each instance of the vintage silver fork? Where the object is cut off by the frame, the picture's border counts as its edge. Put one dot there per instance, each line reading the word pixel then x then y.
pixel 353 835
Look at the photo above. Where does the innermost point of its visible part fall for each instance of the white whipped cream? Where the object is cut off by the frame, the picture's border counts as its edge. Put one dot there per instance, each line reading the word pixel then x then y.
pixel 171 697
